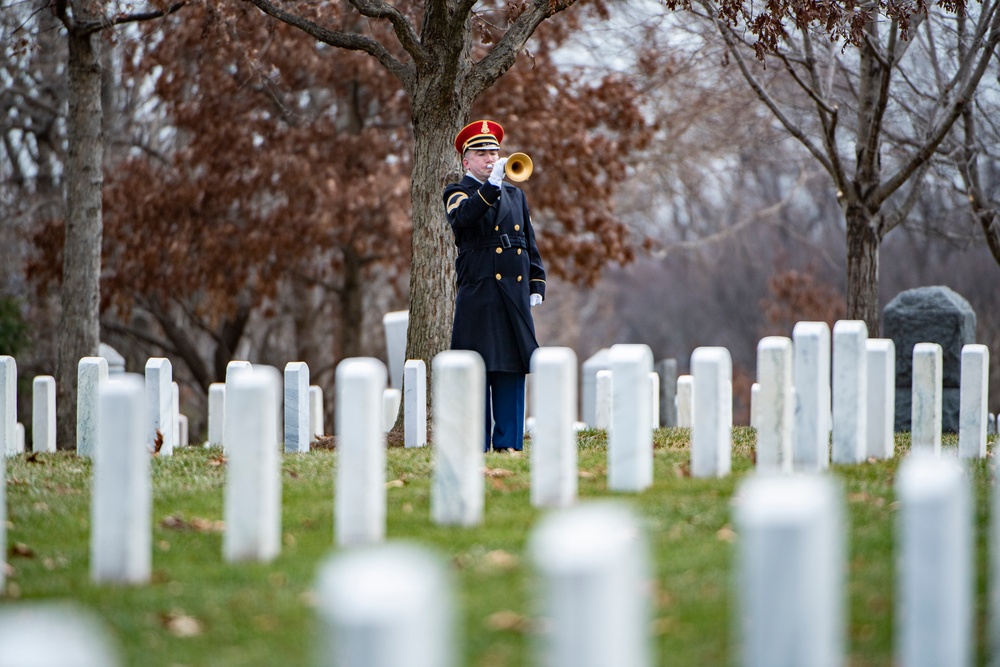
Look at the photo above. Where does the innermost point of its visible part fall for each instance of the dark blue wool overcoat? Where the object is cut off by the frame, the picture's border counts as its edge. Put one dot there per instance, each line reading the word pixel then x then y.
pixel 498 267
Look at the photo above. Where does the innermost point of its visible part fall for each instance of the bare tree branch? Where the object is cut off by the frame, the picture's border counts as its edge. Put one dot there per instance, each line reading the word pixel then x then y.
pixel 89 27
pixel 984 44
pixel 793 129
pixel 405 73
pixel 400 25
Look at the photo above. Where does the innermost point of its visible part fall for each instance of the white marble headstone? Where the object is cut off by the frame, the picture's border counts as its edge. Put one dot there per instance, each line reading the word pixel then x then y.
pixel 603 410
pixel 850 391
pixel 8 405
pixel 935 563
pixel 685 401
pixel 789 565
pixel 880 442
pixel 317 426
pixel 415 403
pixel 253 469
pixel 234 369
pixel 159 405
pixel 459 387
pixel 216 412
pixel 775 404
pixel 92 373
pixel 55 634
pixel 396 324
pixel 385 606
pixel 593 576
pixel 926 410
pixel 712 430
pixel 359 506
pixel 553 440
pixel 296 388
pixel 43 414
pixel 973 419
pixel 811 378
pixel 630 442
pixel 121 510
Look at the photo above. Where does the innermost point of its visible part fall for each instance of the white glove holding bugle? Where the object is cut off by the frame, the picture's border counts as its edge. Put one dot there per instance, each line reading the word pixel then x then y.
pixel 496 176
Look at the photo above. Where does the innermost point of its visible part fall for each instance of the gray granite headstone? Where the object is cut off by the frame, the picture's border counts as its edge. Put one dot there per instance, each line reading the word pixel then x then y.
pixel 935 314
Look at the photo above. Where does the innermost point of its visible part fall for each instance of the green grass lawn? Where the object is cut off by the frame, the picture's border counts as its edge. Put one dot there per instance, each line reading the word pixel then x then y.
pixel 199 610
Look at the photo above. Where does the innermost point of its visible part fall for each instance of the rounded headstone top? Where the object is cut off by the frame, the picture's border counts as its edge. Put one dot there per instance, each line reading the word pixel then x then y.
pixel 116 362
pixel 934 297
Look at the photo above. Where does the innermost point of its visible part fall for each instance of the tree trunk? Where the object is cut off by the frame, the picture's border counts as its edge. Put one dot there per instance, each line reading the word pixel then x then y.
pixel 432 276
pixel 352 314
pixel 230 332
pixel 79 328
pixel 862 269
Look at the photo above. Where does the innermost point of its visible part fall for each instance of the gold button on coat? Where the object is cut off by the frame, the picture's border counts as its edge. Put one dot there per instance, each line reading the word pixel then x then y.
pixel 499 250
pixel 519 279
pixel 497 228
pixel 498 276
pixel 518 251
pixel 517 228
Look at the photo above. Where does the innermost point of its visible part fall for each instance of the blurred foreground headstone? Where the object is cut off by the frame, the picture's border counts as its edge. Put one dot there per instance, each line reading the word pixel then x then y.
pixel 593 582
pixel 51 634
pixel 789 571
pixel 386 606
pixel 934 599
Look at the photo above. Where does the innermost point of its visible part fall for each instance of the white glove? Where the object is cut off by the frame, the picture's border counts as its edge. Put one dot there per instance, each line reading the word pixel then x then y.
pixel 535 299
pixel 496 176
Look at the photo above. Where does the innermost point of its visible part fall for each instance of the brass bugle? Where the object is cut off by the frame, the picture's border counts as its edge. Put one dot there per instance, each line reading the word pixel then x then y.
pixel 518 167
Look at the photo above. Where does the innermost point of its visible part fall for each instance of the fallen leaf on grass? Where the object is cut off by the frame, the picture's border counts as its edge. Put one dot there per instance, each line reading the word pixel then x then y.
pixel 324 442
pixel 33 458
pixel 662 626
pixel 683 469
pixel 180 624
pixel 586 474
pixel 500 560
pixel 497 472
pixel 197 524
pixel 217 461
pixel 508 621
pixel 726 534
pixel 157 442
pixel 395 484
pixel 21 550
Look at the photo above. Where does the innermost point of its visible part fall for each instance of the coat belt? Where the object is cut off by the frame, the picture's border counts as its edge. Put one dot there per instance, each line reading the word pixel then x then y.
pixel 502 241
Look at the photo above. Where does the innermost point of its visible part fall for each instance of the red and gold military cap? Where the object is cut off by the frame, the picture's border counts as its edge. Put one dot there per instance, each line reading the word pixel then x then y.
pixel 480 135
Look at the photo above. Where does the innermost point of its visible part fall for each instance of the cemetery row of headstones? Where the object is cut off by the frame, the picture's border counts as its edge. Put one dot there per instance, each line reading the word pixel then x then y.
pixel 121 541
pixel 382 605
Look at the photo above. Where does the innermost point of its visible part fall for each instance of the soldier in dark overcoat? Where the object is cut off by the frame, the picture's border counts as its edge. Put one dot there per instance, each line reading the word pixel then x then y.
pixel 500 278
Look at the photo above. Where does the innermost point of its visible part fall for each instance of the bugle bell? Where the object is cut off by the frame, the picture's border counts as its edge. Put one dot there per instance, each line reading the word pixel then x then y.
pixel 518 167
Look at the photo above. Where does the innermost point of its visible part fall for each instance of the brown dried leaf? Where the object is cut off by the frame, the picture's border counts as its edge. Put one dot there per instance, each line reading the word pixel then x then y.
pixel 726 534
pixel 20 550
pixel 197 524
pixel 508 621
pixel 500 560
pixel 180 624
